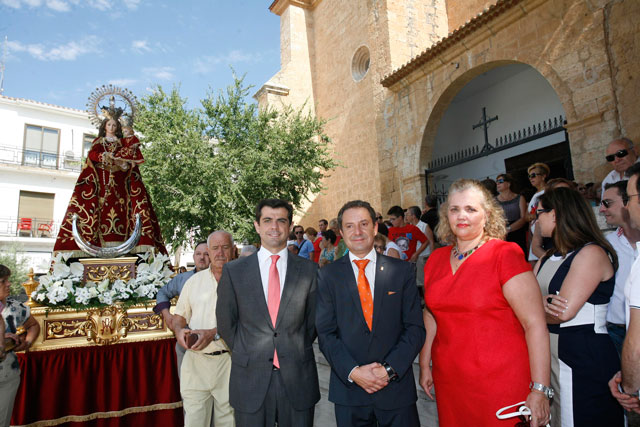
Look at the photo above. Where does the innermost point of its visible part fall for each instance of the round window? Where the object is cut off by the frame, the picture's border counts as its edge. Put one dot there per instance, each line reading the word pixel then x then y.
pixel 360 63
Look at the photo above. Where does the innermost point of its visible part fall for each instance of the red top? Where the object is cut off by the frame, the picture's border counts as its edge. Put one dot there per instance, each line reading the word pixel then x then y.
pixel 480 357
pixel 316 249
pixel 406 237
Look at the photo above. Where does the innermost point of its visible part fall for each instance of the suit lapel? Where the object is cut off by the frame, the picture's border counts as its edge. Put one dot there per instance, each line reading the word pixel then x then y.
pixel 290 285
pixel 256 291
pixel 379 288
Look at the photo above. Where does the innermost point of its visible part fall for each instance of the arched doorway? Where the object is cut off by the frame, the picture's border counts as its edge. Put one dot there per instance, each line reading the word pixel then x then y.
pixel 497 119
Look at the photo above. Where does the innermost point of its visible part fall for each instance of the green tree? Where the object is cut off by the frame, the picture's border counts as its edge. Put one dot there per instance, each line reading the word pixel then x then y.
pixel 207 168
pixel 9 258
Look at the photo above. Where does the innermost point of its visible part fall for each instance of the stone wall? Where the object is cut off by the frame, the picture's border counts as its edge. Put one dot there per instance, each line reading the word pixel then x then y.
pixel 393 31
pixel 566 41
pixel 383 134
pixel 459 12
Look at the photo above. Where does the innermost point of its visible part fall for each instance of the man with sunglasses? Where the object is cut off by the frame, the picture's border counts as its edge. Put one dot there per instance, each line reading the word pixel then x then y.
pixel 614 209
pixel 620 154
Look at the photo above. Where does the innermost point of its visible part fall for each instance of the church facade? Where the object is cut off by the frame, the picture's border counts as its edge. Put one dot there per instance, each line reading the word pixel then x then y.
pixel 417 93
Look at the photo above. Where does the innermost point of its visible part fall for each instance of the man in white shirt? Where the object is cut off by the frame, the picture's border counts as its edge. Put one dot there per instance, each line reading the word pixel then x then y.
pixel 625 384
pixel 620 154
pixel 205 370
pixel 412 216
pixel 623 239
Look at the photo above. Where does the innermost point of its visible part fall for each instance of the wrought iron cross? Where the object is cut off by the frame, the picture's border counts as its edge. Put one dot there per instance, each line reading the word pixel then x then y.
pixel 485 124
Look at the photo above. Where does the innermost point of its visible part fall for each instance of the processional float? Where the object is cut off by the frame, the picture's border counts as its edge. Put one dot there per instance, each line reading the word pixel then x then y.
pixel 109 261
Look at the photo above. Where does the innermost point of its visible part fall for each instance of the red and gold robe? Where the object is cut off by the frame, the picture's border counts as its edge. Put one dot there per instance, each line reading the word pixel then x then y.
pixel 106 200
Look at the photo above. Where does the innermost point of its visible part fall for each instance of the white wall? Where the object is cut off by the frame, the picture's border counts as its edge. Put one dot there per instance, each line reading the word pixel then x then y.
pixel 518 95
pixel 15 113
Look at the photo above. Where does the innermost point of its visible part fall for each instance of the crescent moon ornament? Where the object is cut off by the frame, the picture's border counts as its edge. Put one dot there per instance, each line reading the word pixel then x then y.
pixel 113 252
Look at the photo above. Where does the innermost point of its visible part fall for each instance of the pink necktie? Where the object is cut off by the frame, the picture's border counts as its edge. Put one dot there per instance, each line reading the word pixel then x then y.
pixel 273 298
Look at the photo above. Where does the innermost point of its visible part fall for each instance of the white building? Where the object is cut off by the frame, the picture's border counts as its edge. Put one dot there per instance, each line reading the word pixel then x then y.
pixel 42 147
pixel 42 150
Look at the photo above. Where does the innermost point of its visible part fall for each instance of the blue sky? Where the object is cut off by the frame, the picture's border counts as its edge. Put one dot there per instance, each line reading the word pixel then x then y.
pixel 59 51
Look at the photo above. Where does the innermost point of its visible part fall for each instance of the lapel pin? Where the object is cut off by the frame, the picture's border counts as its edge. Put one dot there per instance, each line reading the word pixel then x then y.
pixel 381 267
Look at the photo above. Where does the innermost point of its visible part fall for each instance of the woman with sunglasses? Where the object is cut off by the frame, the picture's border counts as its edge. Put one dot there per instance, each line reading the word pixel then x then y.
pixel 515 211
pixel 577 279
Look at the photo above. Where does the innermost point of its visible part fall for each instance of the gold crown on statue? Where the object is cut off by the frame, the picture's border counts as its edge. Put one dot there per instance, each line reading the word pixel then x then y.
pixel 122 102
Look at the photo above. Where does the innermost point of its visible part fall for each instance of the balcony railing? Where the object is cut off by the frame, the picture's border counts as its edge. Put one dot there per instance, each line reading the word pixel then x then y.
pixel 40 159
pixel 28 227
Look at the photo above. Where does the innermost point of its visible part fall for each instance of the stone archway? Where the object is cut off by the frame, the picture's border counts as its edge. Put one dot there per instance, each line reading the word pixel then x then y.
pixel 515 94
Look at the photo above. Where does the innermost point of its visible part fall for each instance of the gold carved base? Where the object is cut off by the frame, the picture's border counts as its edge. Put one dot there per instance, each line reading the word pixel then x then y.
pixel 63 328
pixel 98 269
pixel 98 326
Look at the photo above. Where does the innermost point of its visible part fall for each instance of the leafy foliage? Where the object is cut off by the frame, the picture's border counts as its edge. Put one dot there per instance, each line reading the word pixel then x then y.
pixel 207 168
pixel 18 267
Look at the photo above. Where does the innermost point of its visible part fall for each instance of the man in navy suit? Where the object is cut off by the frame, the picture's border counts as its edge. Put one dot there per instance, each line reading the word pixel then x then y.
pixel 370 328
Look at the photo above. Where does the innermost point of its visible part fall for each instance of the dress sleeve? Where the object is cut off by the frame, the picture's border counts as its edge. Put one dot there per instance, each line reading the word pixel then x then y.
pixel 510 261
pixel 95 153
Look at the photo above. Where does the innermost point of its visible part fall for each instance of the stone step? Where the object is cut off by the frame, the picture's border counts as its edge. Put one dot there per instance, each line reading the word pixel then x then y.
pixel 325 417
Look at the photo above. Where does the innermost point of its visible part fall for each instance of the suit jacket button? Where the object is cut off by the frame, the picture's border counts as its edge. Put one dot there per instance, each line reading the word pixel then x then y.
pixel 275 334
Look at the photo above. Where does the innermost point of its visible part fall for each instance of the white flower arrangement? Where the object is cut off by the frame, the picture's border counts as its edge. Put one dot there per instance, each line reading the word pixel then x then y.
pixel 62 286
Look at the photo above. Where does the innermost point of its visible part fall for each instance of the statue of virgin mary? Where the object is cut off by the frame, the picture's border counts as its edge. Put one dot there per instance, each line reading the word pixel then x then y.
pixel 110 212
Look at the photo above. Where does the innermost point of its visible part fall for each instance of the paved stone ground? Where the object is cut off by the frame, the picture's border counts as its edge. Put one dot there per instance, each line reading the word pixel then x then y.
pixel 324 416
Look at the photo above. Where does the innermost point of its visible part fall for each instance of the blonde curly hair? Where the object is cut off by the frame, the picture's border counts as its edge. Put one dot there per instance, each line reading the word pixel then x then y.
pixel 495 225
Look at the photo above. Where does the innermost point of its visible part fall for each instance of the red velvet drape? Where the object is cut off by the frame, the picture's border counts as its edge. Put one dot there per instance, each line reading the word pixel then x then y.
pixel 86 380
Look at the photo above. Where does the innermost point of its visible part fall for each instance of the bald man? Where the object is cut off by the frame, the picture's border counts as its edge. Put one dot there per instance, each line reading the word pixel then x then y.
pixel 206 367
pixel 620 154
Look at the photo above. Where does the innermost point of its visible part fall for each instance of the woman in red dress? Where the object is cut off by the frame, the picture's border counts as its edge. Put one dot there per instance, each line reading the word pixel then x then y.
pixel 486 331
pixel 108 194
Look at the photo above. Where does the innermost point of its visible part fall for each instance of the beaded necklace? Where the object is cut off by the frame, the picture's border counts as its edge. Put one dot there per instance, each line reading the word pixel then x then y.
pixel 462 255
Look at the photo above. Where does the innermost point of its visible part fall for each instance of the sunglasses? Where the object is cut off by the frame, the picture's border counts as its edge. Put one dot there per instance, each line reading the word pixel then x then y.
pixel 541 211
pixel 619 154
pixel 299 232
pixel 500 181
pixel 606 203
pixel 380 217
pixel 534 174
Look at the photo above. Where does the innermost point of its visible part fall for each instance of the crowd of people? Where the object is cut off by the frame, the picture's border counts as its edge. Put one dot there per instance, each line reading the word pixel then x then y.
pixel 527 305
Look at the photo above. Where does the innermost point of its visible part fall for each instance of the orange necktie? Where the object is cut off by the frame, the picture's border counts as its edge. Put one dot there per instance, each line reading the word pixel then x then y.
pixel 365 292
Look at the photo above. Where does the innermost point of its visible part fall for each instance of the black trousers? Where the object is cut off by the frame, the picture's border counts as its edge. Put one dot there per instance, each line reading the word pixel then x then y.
pixel 276 407
pixel 369 416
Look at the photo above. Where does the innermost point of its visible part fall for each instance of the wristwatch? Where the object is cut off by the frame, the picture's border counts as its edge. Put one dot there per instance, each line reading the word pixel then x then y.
pixel 393 375
pixel 547 391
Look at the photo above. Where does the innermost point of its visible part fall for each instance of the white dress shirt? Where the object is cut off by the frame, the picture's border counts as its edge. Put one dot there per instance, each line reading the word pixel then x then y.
pixel 626 256
pixel 632 289
pixel 264 262
pixel 423 227
pixel 370 269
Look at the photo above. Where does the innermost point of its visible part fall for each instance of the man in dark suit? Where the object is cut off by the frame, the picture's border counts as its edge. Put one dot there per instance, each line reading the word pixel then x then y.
pixel 266 315
pixel 370 328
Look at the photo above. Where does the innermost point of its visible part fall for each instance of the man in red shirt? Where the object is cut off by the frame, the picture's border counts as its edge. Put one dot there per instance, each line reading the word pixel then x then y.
pixel 406 236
